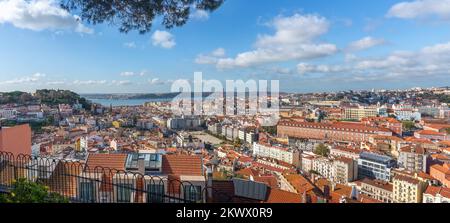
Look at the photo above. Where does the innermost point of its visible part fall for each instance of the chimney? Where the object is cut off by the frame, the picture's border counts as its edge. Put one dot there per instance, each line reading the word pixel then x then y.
pixel 141 166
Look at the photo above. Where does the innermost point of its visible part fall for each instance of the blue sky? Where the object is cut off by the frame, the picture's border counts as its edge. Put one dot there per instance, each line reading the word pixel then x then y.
pixel 310 46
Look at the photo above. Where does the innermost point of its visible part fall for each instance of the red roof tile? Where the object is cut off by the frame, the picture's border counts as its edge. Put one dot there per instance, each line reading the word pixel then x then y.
pixel 111 161
pixel 182 165
pixel 280 196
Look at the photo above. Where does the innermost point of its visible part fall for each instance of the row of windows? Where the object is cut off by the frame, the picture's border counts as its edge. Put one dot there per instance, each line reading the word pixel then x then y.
pixel 155 193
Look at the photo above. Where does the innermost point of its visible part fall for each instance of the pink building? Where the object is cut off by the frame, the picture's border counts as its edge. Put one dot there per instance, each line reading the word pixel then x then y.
pixel 16 140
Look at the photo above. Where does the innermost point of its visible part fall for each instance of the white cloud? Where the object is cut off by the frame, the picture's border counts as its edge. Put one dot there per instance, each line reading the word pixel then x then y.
pixel 163 39
pixel 39 15
pixel 365 43
pixel 121 82
pixel 127 74
pixel 432 61
pixel 143 73
pixel 35 78
pixel 420 9
pixel 157 81
pixel 90 82
pixel 219 52
pixel 200 14
pixel 55 83
pixel 304 68
pixel 130 45
pixel 295 38
pixel 211 58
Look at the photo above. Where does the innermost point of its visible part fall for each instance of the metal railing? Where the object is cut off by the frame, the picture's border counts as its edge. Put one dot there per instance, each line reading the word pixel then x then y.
pixel 78 182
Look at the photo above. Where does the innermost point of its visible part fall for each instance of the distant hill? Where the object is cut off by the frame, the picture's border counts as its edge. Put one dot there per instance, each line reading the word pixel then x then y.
pixel 49 97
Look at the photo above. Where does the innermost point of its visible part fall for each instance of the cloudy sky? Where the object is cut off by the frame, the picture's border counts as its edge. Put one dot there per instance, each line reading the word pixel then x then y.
pixel 310 46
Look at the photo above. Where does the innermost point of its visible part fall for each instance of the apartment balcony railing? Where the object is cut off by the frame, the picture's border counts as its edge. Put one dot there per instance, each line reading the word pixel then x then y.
pixel 80 183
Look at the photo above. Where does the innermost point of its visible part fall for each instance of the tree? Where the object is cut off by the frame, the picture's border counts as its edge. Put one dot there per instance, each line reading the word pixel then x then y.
pixel 25 191
pixel 447 130
pixel 138 14
pixel 322 150
pixel 408 125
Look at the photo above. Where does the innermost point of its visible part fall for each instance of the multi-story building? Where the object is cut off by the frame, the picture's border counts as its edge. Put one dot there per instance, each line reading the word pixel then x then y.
pixel 387 122
pixel 407 189
pixel 347 152
pixel 277 152
pixel 345 170
pixel 347 132
pixel 435 194
pixel 377 189
pixel 407 115
pixel 364 112
pixel 16 140
pixel 251 137
pixel 307 162
pixel 323 166
pixel 431 135
pixel 215 128
pixel 441 173
pixel 429 111
pixel 8 113
pixel 185 123
pixel 162 178
pixel 375 166
pixel 413 158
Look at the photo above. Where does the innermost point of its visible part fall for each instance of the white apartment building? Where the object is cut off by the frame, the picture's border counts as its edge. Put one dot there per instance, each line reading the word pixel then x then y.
pixel 7 113
pixel 323 166
pixel 363 112
pixel 436 195
pixel 279 153
pixel 345 170
pixel 407 189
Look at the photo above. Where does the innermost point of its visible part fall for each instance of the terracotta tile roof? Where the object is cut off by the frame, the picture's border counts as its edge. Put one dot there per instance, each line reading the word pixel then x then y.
pixel 378 183
pixel 406 179
pixel 111 161
pixel 352 127
pixel 280 196
pixel 430 132
pixel 248 172
pixel 270 181
pixel 440 157
pixel 300 183
pixel 438 126
pixel 413 149
pixel 182 165
pixel 442 168
pixel 446 142
pixel 443 191
pixel 417 140
pixel 368 200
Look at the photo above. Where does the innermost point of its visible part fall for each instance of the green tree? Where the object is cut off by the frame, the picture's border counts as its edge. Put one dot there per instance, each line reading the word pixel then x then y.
pixel 25 191
pixel 138 15
pixel 408 125
pixel 322 150
pixel 447 130
pixel 270 129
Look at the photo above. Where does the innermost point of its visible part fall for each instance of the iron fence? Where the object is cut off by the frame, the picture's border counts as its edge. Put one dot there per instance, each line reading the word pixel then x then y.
pixel 78 182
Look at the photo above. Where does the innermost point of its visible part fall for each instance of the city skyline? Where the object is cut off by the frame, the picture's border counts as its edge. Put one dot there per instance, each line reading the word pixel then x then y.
pixel 307 46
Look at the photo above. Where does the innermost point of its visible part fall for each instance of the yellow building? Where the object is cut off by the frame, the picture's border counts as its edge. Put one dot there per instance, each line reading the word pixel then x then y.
pixel 408 189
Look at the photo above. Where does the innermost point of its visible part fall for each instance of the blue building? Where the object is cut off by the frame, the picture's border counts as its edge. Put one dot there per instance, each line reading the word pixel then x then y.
pixel 375 166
